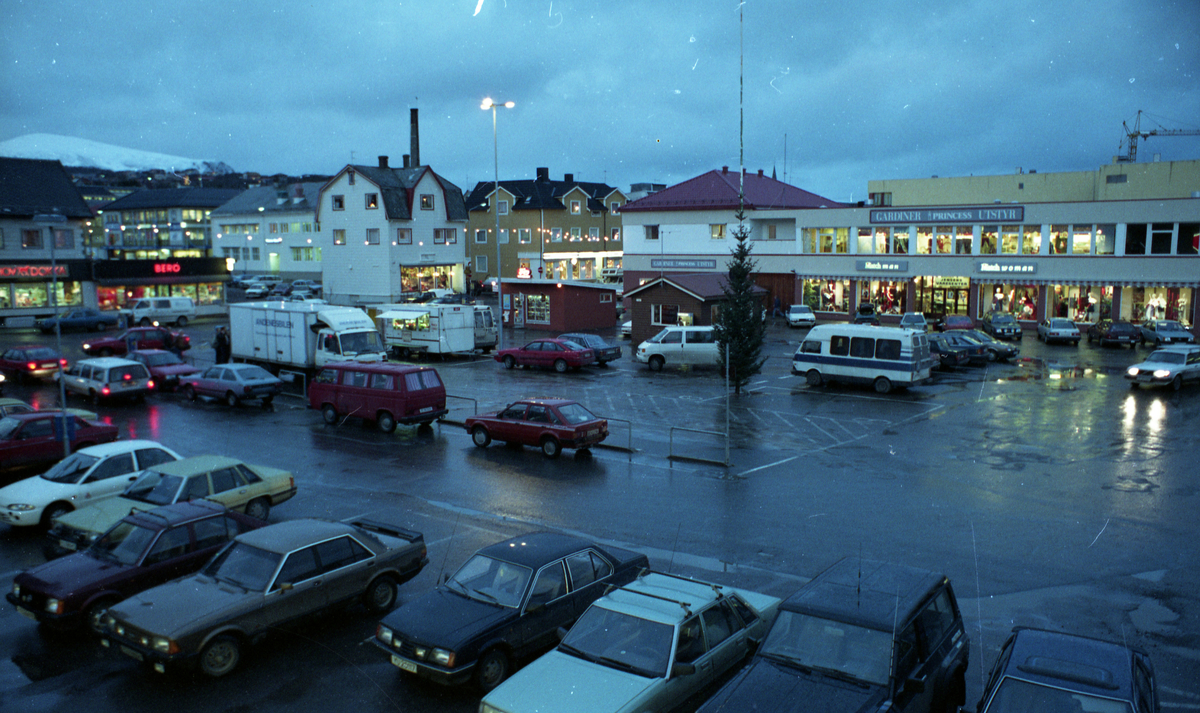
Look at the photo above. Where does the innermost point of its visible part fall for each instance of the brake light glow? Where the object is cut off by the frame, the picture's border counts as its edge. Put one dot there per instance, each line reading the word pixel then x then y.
pixel 31 365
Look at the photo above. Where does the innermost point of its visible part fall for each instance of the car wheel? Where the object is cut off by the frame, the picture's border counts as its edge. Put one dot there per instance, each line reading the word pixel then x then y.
pixel 481 437
pixel 551 447
pixel 813 377
pixel 601 363
pixel 93 616
pixel 882 385
pixel 231 399
pixel 190 392
pixel 386 422
pixel 329 413
pixel 380 596
pixel 182 322
pixel 53 511
pixel 1177 382
pixel 509 362
pixel 491 669
pixel 656 363
pixel 259 509
pixel 955 696
pixel 220 656
pixel 992 355
pixel 560 365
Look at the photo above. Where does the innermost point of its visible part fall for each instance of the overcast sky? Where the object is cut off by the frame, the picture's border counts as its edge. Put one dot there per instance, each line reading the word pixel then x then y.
pixel 611 90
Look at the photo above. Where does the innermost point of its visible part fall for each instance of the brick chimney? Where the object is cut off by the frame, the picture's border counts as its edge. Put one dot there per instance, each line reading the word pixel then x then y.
pixel 568 178
pixel 543 173
pixel 383 161
pixel 415 142
pixel 724 169
pixel 407 161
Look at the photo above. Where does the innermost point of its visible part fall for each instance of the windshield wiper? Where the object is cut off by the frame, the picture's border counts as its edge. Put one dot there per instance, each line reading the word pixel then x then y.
pixel 578 653
pixel 489 596
pixel 621 665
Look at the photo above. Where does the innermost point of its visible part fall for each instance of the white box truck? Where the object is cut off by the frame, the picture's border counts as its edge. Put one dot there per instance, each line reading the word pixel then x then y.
pixel 486 332
pixel 430 328
pixel 301 335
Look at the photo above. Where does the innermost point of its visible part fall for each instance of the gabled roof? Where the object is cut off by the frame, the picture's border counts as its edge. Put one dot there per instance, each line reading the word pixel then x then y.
pixel 718 190
pixel 175 198
pixel 267 198
pixel 540 194
pixel 703 286
pixel 32 186
pixel 397 185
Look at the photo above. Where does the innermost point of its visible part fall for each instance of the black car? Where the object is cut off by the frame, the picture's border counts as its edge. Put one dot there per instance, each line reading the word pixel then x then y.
pixel 994 349
pixel 949 356
pixel 1108 331
pixel 973 347
pixel 861 636
pixel 1001 325
pixel 866 314
pixel 1052 671
pixel 605 352
pixel 503 605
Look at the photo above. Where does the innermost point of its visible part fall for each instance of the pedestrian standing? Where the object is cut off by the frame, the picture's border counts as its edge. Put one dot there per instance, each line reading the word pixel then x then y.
pixel 222 346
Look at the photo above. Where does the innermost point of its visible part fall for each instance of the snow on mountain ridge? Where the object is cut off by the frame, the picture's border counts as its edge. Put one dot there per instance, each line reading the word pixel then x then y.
pixel 76 152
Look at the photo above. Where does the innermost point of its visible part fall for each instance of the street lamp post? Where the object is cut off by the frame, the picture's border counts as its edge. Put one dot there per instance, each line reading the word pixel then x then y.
pixel 51 220
pixel 488 103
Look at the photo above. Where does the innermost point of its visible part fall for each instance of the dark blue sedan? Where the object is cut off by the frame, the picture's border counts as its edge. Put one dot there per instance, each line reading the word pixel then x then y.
pixel 93 320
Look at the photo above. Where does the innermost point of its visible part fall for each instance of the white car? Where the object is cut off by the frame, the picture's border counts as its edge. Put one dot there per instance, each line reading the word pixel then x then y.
pixel 1174 365
pixel 1058 329
pixel 914 320
pixel 648 646
pixel 627 328
pixel 86 476
pixel 801 316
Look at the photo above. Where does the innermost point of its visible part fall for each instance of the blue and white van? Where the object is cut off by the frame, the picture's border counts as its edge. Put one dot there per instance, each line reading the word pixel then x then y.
pixel 884 357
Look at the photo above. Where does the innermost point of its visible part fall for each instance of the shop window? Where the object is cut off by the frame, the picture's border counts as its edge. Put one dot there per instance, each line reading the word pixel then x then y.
pixel 716 231
pixel 944 241
pixel 1160 238
pixel 339 237
pixel 924 241
pixel 664 314
pixel 1187 241
pixel 537 308
pixel 900 238
pixel 426 201
pixel 1081 240
pixel 963 239
pixel 826 295
pixel 866 244
pixel 525 235
pixel 1106 239
pixel 1010 238
pixel 651 232
pixel 339 202
pixel 372 236
pixel 1135 239
pixel 841 240
pixel 480 236
pixel 31 239
pixel 1031 241
pixel 881 241
pixel 987 243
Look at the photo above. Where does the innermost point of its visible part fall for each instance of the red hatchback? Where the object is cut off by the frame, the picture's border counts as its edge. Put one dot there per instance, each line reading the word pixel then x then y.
pixel 33 361
pixel 141 338
pixel 558 353
pixel 550 424
pixel 35 439
pixel 955 321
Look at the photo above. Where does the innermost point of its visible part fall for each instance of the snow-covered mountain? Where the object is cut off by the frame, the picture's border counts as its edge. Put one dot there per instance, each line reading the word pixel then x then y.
pixel 75 152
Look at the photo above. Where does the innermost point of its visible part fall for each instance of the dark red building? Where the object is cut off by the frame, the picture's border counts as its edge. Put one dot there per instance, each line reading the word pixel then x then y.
pixel 559 306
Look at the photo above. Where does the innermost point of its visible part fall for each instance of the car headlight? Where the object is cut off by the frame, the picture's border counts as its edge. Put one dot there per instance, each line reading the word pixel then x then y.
pixel 16 590
pixel 384 634
pixel 1132 371
pixel 163 645
pixel 54 606
pixel 86 346
pixel 1162 373
pixel 442 657
pixel 20 507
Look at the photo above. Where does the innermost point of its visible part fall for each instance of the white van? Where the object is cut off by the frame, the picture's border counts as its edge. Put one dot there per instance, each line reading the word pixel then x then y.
pixel 108 377
pixel 885 357
pixel 163 310
pixel 679 345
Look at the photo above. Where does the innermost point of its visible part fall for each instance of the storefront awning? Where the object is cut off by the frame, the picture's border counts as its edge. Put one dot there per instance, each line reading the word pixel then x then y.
pixel 172 280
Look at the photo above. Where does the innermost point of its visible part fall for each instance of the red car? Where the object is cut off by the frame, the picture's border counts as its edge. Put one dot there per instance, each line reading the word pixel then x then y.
pixel 142 551
pixel 558 353
pixel 955 321
pixel 166 368
pixel 141 338
pixel 33 439
pixel 550 424
pixel 33 361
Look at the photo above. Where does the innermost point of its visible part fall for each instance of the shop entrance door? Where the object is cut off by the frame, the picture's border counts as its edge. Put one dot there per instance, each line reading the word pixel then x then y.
pixel 519 311
pixel 945 301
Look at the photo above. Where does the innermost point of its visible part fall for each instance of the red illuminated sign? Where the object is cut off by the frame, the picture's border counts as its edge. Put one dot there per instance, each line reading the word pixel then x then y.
pixel 31 270
pixel 166 267
pixel 524 273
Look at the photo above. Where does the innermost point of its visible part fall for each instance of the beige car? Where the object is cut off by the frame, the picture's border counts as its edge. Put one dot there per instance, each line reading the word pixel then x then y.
pixel 252 489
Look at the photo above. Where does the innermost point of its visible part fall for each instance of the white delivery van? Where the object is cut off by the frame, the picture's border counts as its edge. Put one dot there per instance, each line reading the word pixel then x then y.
pixel 427 328
pixel 487 335
pixel 162 310
pixel 679 345
pixel 884 357
pixel 302 335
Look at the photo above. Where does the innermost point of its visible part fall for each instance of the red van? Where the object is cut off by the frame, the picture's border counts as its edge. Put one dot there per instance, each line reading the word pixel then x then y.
pixel 384 393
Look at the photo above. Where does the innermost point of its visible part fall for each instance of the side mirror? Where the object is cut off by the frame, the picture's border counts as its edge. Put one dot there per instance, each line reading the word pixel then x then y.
pixel 914 685
pixel 683 669
pixel 285 587
pixel 562 633
pixel 535 607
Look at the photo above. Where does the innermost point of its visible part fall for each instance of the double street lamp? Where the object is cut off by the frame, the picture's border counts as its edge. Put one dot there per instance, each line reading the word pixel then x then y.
pixel 488 103
pixel 53 220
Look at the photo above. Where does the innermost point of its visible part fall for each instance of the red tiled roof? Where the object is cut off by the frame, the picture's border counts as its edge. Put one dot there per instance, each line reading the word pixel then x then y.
pixel 718 190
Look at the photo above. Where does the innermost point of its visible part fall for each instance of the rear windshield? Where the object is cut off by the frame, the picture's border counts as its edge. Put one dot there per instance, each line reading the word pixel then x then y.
pixel 574 413
pixel 40 353
pixel 127 373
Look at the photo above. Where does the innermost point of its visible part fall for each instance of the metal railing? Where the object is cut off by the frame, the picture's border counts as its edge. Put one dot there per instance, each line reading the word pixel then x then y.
pixel 628 447
pixel 671 446
pixel 474 408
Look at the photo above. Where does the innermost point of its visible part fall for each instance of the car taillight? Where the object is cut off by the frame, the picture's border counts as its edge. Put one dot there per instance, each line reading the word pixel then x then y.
pixel 150 384
pixel 105 391
pixel 63 363
pixel 31 365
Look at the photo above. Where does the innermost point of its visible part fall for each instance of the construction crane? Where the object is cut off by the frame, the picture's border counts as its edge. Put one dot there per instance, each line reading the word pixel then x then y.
pixel 1132 135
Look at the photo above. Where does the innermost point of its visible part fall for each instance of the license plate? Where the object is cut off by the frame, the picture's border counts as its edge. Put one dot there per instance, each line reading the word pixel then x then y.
pixel 25 612
pixel 67 545
pixel 1143 377
pixel 132 654
pixel 404 665
pixel 426 409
